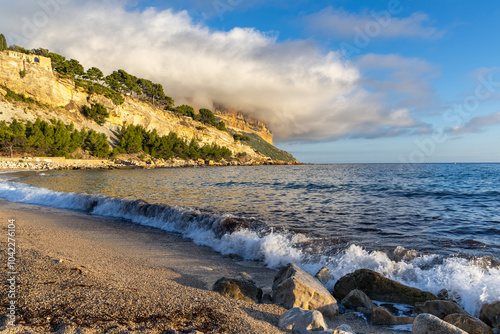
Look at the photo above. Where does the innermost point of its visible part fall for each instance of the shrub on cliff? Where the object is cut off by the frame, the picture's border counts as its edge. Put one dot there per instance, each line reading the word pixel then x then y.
pixel 206 116
pixel 97 112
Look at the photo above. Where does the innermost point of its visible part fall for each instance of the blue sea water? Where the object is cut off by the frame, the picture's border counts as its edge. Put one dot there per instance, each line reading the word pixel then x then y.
pixel 432 226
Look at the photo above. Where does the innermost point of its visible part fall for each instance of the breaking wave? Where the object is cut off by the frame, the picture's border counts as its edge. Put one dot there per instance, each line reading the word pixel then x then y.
pixel 471 282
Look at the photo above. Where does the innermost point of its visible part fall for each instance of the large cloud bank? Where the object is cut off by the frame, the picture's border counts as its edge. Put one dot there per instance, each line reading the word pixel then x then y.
pixel 303 93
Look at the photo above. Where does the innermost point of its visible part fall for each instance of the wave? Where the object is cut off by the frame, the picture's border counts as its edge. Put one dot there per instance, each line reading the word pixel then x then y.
pixel 471 282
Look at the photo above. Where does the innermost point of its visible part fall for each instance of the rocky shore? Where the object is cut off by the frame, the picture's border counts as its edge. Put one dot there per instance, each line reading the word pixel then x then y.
pixel 62 164
pixel 76 273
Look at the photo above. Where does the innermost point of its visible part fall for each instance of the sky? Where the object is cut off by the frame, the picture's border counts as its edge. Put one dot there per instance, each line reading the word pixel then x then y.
pixel 336 81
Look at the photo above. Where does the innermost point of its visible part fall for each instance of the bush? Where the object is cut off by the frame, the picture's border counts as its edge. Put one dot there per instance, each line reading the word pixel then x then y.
pixel 97 112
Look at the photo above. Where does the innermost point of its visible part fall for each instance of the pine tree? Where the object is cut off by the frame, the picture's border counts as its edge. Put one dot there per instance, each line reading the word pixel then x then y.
pixel 3 43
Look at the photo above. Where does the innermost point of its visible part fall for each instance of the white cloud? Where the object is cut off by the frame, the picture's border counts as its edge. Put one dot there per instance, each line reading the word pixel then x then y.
pixel 301 92
pixel 476 124
pixel 340 23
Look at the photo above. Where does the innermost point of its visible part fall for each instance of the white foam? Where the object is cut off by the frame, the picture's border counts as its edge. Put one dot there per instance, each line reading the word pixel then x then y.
pixel 464 279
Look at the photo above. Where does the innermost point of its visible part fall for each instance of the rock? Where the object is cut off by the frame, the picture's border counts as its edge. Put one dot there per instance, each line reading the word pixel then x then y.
pixel 293 287
pixel 490 314
pixel 380 288
pixel 302 321
pixel 429 324
pixel 382 317
pixel 403 254
pixel 343 329
pixel 468 323
pixel 439 308
pixel 357 300
pixel 324 275
pixel 239 289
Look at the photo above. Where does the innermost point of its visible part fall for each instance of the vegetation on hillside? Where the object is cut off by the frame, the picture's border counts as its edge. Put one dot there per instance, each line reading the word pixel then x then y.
pixel 56 139
pixel 135 139
pixel 97 112
pixel 50 139
pixel 3 43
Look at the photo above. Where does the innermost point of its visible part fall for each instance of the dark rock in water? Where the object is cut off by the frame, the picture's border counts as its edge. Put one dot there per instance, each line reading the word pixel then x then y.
pixel 357 300
pixel 239 289
pixel 430 324
pixel 293 287
pixel 324 275
pixel 382 317
pixel 490 314
pixel 439 308
pixel 231 225
pixel 380 288
pixel 468 323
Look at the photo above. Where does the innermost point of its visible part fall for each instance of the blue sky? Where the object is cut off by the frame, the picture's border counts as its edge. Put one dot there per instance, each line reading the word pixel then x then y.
pixel 338 81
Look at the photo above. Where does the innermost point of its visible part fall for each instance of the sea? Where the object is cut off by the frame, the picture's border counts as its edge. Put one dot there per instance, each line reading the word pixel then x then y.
pixel 430 226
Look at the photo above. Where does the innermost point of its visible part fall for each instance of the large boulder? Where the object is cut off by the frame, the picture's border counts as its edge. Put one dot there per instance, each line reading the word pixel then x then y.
pixel 293 287
pixel 468 323
pixel 439 308
pixel 302 321
pixel 380 288
pixel 239 289
pixel 430 324
pixel 382 317
pixel 358 300
pixel 490 314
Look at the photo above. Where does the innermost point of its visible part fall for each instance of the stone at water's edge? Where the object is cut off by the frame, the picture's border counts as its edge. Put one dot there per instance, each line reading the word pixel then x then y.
pixel 490 314
pixel 239 289
pixel 430 324
pixel 324 275
pixel 343 329
pixel 468 323
pixel 302 321
pixel 380 288
pixel 293 287
pixel 439 308
pixel 382 317
pixel 357 300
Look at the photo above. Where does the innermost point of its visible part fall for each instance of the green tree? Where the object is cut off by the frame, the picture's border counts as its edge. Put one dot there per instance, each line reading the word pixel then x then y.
pixel 3 43
pixel 97 112
pixel 185 110
pixel 221 126
pixel 94 74
pixel 206 116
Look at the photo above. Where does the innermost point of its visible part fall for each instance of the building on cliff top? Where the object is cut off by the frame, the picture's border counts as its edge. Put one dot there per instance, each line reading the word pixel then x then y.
pixel 43 62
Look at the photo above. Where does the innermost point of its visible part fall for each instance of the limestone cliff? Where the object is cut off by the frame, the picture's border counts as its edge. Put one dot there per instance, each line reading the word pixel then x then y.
pixel 58 98
pixel 238 121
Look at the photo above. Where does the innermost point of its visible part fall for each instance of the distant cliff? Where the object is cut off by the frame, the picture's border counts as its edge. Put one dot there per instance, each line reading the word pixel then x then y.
pixel 238 121
pixel 59 98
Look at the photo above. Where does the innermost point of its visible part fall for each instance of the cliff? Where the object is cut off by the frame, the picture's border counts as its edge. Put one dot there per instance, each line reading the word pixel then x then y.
pixel 238 121
pixel 58 98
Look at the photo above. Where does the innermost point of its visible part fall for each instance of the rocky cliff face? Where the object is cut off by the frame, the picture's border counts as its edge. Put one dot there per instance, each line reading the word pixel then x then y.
pixel 60 99
pixel 236 120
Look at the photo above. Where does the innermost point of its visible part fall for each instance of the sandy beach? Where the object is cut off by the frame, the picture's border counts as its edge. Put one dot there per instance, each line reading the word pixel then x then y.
pixel 104 275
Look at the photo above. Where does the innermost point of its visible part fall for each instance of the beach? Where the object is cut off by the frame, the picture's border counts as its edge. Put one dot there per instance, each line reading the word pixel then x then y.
pixel 102 275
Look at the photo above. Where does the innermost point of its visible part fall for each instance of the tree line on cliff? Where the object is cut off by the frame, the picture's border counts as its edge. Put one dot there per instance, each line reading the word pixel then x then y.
pixel 57 139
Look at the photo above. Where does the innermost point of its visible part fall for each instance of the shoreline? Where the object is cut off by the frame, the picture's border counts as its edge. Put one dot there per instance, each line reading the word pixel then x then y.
pixel 96 274
pixel 55 163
